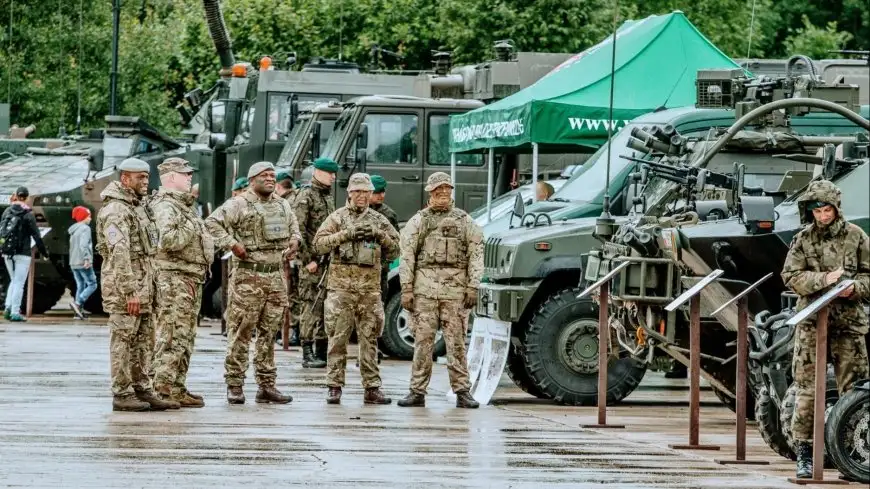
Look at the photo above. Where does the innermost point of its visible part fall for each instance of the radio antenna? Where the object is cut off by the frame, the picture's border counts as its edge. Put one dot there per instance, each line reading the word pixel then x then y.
pixel 605 223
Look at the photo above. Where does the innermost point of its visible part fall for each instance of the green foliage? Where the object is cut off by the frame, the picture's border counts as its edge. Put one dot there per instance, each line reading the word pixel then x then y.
pixel 165 48
pixel 814 41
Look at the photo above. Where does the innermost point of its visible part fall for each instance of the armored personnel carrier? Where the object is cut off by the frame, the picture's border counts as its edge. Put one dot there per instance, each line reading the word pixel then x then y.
pixel 533 273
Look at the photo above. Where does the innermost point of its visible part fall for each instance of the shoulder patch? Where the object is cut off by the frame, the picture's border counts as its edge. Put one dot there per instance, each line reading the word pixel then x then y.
pixel 113 235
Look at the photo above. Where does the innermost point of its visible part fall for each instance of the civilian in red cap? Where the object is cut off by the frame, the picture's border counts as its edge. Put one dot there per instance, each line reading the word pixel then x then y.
pixel 81 259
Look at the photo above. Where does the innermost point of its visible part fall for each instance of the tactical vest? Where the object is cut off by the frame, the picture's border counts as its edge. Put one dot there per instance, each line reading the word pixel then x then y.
pixel 443 243
pixel 206 242
pixel 265 226
pixel 359 253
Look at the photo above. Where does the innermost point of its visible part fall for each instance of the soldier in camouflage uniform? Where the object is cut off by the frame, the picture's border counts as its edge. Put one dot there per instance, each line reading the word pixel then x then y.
pixel 286 189
pixel 312 205
pixel 127 241
pixel 828 249
pixel 357 238
pixel 260 229
pixel 185 252
pixel 377 203
pixel 440 271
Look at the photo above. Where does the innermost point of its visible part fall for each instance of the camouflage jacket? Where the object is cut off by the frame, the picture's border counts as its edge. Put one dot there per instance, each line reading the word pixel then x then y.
pixel 355 266
pixel 389 213
pixel 127 240
pixel 263 227
pixel 312 205
pixel 816 250
pixel 185 244
pixel 442 254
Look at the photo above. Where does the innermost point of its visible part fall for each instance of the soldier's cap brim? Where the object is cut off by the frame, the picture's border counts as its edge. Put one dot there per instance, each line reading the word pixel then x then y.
pixel 430 188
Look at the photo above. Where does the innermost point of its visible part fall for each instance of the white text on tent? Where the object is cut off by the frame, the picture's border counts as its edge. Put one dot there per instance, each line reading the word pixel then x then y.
pixel 578 124
pixel 489 130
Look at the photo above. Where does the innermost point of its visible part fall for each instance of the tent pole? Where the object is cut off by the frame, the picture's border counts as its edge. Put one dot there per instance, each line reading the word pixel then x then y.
pixel 453 174
pixel 534 172
pixel 490 170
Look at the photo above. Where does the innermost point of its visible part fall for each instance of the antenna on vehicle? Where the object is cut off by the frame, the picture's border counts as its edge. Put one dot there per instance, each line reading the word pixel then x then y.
pixel 79 62
pixel 605 223
pixel 751 28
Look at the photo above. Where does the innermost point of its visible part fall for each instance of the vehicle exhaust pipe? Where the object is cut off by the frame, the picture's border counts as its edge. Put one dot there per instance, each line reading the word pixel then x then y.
pixel 217 27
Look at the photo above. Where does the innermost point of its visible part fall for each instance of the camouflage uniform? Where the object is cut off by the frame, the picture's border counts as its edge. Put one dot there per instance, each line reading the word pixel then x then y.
pixel 814 252
pixel 442 260
pixel 312 205
pixel 391 216
pixel 127 241
pixel 295 291
pixel 184 255
pixel 353 286
pixel 258 293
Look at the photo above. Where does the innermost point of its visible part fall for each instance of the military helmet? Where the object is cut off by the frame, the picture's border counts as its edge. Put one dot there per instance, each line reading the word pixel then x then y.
pixel 360 181
pixel 438 179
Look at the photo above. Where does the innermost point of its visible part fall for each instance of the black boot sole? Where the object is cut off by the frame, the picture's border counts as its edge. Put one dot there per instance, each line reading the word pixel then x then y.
pixel 129 410
pixel 270 401
pixel 333 401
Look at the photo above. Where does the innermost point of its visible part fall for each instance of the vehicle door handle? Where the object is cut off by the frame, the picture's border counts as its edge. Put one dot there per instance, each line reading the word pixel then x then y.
pixel 411 178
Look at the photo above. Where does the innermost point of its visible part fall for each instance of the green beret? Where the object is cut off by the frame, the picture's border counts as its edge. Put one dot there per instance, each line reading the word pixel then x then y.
pixel 379 183
pixel 326 164
pixel 241 183
pixel 283 175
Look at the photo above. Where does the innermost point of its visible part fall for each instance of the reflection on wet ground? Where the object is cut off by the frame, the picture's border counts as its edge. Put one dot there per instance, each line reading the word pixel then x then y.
pixel 57 429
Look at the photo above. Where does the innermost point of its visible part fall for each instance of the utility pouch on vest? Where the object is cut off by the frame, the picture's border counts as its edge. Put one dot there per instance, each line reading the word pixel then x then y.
pixel 275 227
pixel 367 254
pixel 345 252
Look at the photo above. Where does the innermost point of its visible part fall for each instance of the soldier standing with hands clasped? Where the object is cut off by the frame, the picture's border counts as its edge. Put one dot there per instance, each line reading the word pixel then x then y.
pixel 260 229
pixel 127 240
pixel 357 238
pixel 185 252
pixel 828 249
pixel 440 271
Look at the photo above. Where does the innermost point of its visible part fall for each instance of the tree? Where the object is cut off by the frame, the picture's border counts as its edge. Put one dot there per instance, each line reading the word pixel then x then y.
pixel 816 42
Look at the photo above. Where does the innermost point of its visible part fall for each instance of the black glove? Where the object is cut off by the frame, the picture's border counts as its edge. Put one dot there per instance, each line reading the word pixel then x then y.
pixel 363 232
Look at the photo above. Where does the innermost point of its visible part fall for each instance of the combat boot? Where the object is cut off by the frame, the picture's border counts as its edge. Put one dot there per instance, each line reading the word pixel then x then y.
pixel 157 403
pixel 191 394
pixel 186 400
pixel 320 349
pixel 374 395
pixel 294 336
pixel 413 400
pixel 464 400
pixel 128 402
pixel 235 394
pixel 270 395
pixel 804 452
pixel 334 395
pixel 309 360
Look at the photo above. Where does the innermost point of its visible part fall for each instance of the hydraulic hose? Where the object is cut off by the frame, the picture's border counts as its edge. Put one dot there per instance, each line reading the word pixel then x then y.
pixel 219 33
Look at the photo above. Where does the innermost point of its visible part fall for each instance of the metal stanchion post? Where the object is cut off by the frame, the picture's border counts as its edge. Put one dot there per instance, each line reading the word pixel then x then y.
pixel 742 357
pixel 820 305
pixel 693 294
pixel 603 343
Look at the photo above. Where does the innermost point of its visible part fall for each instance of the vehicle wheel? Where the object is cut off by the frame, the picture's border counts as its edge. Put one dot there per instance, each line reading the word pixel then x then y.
pixel 45 295
pixel 398 340
pixel 767 420
pixel 847 435
pixel 561 353
pixel 731 403
pixel 787 414
pixel 517 371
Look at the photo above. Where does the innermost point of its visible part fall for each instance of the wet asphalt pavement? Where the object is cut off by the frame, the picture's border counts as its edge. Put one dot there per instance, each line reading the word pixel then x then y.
pixel 57 429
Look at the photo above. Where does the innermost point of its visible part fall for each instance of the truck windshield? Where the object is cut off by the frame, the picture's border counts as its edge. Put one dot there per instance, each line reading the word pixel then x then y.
pixel 587 183
pixel 338 134
pixel 294 141
pixel 117 147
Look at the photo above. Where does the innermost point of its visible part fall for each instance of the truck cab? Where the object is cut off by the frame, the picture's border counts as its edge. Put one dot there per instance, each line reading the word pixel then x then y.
pixel 309 135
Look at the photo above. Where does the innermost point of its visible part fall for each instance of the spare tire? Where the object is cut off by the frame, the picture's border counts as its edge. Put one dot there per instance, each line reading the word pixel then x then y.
pixel 561 353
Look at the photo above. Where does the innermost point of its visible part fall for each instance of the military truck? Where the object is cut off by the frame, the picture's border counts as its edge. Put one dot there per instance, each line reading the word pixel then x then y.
pixel 310 133
pixel 64 173
pixel 532 273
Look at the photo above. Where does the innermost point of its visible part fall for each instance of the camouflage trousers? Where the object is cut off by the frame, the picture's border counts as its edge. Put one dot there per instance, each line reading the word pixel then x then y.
pixel 452 317
pixel 256 304
pixel 311 326
pixel 178 299
pixel 345 311
pixel 847 350
pixel 131 341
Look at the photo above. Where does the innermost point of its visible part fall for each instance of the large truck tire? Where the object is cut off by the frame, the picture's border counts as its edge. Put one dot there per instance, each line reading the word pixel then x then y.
pixel 767 421
pixel 397 341
pixel 561 353
pixel 731 403
pixel 517 371
pixel 847 435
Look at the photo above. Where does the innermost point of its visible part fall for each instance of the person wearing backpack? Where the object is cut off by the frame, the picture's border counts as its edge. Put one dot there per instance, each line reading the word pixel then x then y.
pixel 17 227
pixel 81 259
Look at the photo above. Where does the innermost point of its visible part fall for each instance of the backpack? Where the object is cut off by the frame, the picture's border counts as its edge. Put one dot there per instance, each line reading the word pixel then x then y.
pixel 10 234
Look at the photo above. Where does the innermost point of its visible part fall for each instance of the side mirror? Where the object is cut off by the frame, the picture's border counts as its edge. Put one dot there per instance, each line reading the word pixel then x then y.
pixel 294 110
pixel 361 159
pixel 829 161
pixel 362 137
pixel 315 140
pixel 519 206
pixel 95 160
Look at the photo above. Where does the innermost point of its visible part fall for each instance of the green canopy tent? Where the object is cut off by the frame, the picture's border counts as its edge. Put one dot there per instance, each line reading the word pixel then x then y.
pixel 657 60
